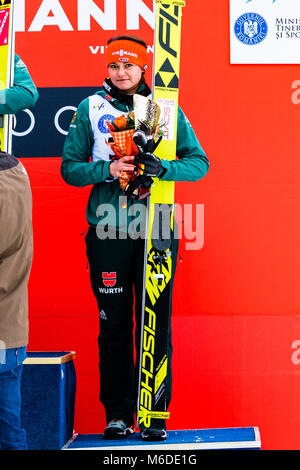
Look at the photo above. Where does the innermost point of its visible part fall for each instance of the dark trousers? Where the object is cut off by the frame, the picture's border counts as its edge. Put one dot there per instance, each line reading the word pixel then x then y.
pixel 116 273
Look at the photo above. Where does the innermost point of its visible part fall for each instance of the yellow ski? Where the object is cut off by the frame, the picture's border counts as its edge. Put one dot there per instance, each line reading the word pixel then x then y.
pixel 158 246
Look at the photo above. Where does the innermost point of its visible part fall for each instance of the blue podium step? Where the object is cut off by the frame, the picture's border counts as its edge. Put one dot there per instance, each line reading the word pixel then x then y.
pixel 193 439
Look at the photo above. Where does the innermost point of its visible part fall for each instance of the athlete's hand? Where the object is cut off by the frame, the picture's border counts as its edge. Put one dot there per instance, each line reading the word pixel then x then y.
pixel 121 164
pixel 147 164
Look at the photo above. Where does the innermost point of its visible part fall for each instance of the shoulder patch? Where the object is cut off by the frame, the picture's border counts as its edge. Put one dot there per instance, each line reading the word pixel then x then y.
pixel 21 65
pixel 74 117
pixel 72 123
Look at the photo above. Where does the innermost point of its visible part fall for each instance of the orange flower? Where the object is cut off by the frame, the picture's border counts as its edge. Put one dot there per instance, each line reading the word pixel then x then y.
pixel 131 115
pixel 120 122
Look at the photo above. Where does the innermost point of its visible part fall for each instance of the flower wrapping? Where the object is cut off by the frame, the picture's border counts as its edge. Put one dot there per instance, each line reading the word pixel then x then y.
pixel 121 131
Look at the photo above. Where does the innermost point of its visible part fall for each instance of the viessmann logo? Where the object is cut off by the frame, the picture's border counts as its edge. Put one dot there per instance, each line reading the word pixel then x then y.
pixel 35 16
pixel 121 53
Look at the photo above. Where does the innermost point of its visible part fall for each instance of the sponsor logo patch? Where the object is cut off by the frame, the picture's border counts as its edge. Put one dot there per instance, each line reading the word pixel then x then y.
pixel 102 123
pixel 102 315
pixel 109 279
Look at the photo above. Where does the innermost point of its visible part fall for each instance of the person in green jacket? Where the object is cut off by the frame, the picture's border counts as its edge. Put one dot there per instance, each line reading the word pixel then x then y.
pixel 115 250
pixel 22 95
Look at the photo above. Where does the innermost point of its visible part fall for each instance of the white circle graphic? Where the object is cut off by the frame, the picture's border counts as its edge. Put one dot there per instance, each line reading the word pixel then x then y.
pixel 57 116
pixel 30 128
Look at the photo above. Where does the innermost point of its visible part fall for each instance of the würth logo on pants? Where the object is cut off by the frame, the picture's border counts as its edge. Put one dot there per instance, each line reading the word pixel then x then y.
pixel 110 280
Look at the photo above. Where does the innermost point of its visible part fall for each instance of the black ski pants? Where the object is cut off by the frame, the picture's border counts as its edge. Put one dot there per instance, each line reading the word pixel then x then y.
pixel 116 273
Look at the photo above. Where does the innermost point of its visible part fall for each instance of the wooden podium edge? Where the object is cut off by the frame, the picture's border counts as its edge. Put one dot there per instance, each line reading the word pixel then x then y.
pixel 50 360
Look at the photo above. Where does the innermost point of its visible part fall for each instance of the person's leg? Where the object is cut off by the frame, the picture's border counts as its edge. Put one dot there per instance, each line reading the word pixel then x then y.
pixel 12 435
pixel 110 272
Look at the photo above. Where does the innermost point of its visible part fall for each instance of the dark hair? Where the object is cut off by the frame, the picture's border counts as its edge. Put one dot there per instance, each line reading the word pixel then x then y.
pixel 128 38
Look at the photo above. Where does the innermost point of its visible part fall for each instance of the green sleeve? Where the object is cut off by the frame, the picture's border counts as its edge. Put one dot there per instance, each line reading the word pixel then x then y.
pixel 22 95
pixel 192 163
pixel 76 168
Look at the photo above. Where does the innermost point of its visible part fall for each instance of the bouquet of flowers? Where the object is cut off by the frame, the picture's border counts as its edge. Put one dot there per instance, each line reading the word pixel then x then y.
pixel 122 130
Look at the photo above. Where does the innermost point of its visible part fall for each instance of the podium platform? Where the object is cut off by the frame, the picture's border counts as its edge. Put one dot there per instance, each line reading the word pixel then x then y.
pixel 206 439
pixel 48 390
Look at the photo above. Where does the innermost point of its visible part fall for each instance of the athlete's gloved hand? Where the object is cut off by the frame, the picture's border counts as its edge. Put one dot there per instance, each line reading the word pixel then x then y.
pixel 140 182
pixel 147 164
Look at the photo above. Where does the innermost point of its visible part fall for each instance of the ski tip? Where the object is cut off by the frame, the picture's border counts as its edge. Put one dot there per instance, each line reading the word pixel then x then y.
pixel 177 3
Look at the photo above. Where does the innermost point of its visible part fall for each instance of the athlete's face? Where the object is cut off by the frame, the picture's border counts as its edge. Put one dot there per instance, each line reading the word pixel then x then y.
pixel 126 77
